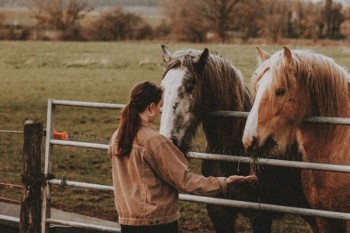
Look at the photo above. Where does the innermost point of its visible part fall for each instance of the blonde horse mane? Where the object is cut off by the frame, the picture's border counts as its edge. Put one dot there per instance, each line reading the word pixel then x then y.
pixel 325 82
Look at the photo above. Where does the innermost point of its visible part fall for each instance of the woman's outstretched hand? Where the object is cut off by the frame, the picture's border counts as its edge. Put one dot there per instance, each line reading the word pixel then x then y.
pixel 240 179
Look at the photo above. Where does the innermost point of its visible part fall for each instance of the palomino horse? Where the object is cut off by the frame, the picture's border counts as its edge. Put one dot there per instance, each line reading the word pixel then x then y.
pixel 195 83
pixel 290 86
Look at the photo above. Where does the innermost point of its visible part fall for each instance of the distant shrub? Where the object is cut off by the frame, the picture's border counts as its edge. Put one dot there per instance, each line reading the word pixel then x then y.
pixel 13 31
pixel 73 33
pixel 162 30
pixel 18 32
pixel 119 25
pixel 58 19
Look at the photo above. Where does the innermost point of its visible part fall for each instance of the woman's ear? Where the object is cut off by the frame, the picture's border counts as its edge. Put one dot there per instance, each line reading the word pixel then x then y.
pixel 152 106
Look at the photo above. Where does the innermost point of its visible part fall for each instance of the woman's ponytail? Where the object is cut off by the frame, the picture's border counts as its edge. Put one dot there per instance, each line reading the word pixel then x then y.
pixel 141 96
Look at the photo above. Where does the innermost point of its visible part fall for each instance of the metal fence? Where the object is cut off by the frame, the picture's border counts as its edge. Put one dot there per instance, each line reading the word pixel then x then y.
pixel 50 142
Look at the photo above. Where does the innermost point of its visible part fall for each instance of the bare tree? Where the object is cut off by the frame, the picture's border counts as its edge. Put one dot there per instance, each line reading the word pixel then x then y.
pixel 58 14
pixel 186 21
pixel 250 18
pixel 200 17
pixel 221 15
pixel 337 19
pixel 304 20
pixel 274 19
pixel 277 16
pixel 327 14
pixel 345 27
pixel 332 19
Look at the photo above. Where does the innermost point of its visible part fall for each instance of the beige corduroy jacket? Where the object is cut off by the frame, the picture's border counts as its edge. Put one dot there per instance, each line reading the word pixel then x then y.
pixel 147 182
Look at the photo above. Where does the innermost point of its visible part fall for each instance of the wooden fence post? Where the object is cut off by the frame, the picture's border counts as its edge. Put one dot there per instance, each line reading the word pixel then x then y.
pixel 30 217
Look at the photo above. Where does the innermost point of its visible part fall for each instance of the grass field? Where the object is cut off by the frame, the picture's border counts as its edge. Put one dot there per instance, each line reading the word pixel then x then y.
pixel 33 72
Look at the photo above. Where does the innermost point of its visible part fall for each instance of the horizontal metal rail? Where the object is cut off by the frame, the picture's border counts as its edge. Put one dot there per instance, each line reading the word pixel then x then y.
pixel 230 158
pixel 11 131
pixel 328 120
pixel 220 113
pixel 318 119
pixel 225 202
pixel 88 104
pixel 79 144
pixel 266 207
pixel 81 184
pixel 272 162
pixel 9 218
pixel 82 225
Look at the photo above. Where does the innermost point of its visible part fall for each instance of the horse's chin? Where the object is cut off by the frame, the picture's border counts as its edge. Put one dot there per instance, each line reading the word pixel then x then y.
pixel 270 149
pixel 274 150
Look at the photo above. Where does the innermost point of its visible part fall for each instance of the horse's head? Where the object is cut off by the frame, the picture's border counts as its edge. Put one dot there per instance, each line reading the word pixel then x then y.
pixel 196 82
pixel 181 94
pixel 278 106
pixel 290 86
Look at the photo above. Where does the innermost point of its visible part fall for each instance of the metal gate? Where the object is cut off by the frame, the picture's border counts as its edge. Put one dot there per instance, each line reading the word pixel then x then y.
pixel 50 142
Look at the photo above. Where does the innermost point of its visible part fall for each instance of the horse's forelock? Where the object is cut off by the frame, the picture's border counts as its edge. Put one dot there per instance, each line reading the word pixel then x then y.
pixel 181 58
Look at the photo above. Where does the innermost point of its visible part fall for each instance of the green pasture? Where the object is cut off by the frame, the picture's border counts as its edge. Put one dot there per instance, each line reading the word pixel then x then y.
pixel 33 72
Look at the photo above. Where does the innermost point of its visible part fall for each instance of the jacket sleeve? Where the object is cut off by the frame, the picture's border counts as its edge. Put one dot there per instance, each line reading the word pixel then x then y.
pixel 113 146
pixel 171 165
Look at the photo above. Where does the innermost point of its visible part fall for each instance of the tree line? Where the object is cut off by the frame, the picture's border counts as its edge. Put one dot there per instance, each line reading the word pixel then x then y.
pixel 184 20
pixel 197 20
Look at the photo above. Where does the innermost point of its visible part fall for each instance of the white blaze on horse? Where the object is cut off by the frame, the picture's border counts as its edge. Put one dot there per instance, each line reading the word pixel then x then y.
pixel 195 83
pixel 290 86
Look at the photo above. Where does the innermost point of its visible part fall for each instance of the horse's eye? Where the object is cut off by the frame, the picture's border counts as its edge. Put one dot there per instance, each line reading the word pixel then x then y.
pixel 280 91
pixel 189 84
pixel 189 89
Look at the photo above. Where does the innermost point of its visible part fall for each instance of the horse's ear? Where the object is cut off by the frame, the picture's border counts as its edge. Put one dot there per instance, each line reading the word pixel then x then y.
pixel 167 54
pixel 262 55
pixel 203 58
pixel 287 54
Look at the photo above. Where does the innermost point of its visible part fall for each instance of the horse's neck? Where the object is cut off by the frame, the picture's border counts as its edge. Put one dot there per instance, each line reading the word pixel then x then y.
pixel 325 142
pixel 224 135
pixel 330 147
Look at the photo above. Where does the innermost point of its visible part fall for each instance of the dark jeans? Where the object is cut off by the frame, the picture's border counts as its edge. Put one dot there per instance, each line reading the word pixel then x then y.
pixel 163 228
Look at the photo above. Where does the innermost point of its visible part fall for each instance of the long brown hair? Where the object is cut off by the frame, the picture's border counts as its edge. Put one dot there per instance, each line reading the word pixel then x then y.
pixel 142 95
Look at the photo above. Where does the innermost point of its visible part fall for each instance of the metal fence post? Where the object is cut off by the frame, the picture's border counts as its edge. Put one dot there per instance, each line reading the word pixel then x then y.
pixel 30 216
pixel 46 205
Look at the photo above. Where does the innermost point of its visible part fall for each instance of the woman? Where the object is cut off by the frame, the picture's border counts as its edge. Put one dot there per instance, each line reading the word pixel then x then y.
pixel 149 170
